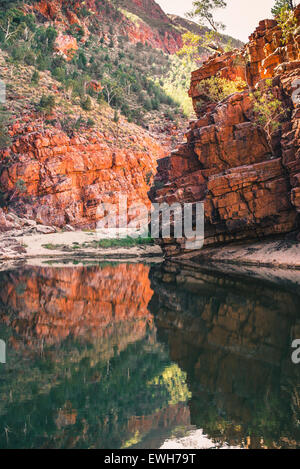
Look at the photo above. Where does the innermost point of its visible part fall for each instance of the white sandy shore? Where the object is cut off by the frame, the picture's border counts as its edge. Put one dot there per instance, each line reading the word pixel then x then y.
pixel 35 247
pixel 70 244
pixel 278 254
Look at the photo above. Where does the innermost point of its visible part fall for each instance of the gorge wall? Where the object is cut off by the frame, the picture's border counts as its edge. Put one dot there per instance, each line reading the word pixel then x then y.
pixel 250 188
pixel 51 171
pixel 65 179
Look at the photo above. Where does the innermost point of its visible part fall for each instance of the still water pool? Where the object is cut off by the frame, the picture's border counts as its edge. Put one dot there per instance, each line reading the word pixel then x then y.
pixel 131 356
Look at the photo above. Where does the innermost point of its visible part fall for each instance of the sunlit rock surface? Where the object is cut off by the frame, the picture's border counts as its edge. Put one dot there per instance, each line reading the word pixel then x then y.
pixel 250 187
pixel 67 178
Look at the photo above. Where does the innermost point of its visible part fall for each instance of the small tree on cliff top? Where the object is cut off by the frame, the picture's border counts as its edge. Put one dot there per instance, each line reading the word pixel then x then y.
pixel 280 4
pixel 288 23
pixel 203 12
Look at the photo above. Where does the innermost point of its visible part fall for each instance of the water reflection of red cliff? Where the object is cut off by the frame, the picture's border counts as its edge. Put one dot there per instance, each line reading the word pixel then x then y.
pixel 170 417
pixel 52 304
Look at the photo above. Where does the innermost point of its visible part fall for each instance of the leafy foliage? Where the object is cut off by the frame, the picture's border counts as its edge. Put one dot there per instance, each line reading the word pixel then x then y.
pixel 14 24
pixel 86 103
pixel 203 11
pixel 268 109
pixel 288 23
pixel 282 4
pixel 47 103
pixel 216 89
pixel 5 121
pixel 176 83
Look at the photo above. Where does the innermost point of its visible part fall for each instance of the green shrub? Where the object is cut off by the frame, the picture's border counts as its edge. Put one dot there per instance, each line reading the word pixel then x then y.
pixel 59 73
pixel 76 31
pixel 58 62
pixel 43 62
pixel 35 77
pixel 288 24
pixel 18 53
pixel 148 104
pixel 45 38
pixel 70 126
pixel 47 103
pixel 268 109
pixel 86 103
pixel 90 123
pixel 5 121
pixel 29 58
pixel 77 87
pixel 216 89
pixel 116 116
pixel 82 60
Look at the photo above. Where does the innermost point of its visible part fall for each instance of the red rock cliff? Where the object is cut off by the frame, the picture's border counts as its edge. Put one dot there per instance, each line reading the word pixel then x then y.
pixel 150 25
pixel 65 179
pixel 248 190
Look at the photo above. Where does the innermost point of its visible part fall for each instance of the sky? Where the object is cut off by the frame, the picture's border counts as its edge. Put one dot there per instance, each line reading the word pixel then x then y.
pixel 241 16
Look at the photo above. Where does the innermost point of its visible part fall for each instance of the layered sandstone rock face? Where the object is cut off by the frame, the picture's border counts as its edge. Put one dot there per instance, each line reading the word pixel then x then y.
pixel 65 179
pixel 249 185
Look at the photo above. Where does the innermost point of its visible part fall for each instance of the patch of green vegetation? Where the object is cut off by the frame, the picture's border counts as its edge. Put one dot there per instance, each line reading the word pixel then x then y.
pixel 132 75
pixel 102 243
pixel 288 23
pixel 268 110
pixel 5 121
pixel 216 89
pixel 176 83
pixel 123 242
pixel 52 247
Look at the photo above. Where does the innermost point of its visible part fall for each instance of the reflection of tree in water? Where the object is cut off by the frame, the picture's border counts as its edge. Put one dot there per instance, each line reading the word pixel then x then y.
pixel 83 390
pixel 97 399
pixel 233 339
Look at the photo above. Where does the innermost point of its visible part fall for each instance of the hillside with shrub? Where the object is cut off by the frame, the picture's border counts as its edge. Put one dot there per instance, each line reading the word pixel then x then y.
pixel 95 94
pixel 106 42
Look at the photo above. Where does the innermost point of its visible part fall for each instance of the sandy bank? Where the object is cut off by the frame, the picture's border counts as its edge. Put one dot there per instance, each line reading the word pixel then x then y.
pixel 77 244
pixel 280 253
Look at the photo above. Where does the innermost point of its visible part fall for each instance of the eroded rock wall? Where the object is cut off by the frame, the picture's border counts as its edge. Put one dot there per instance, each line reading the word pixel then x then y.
pixel 249 185
pixel 65 179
